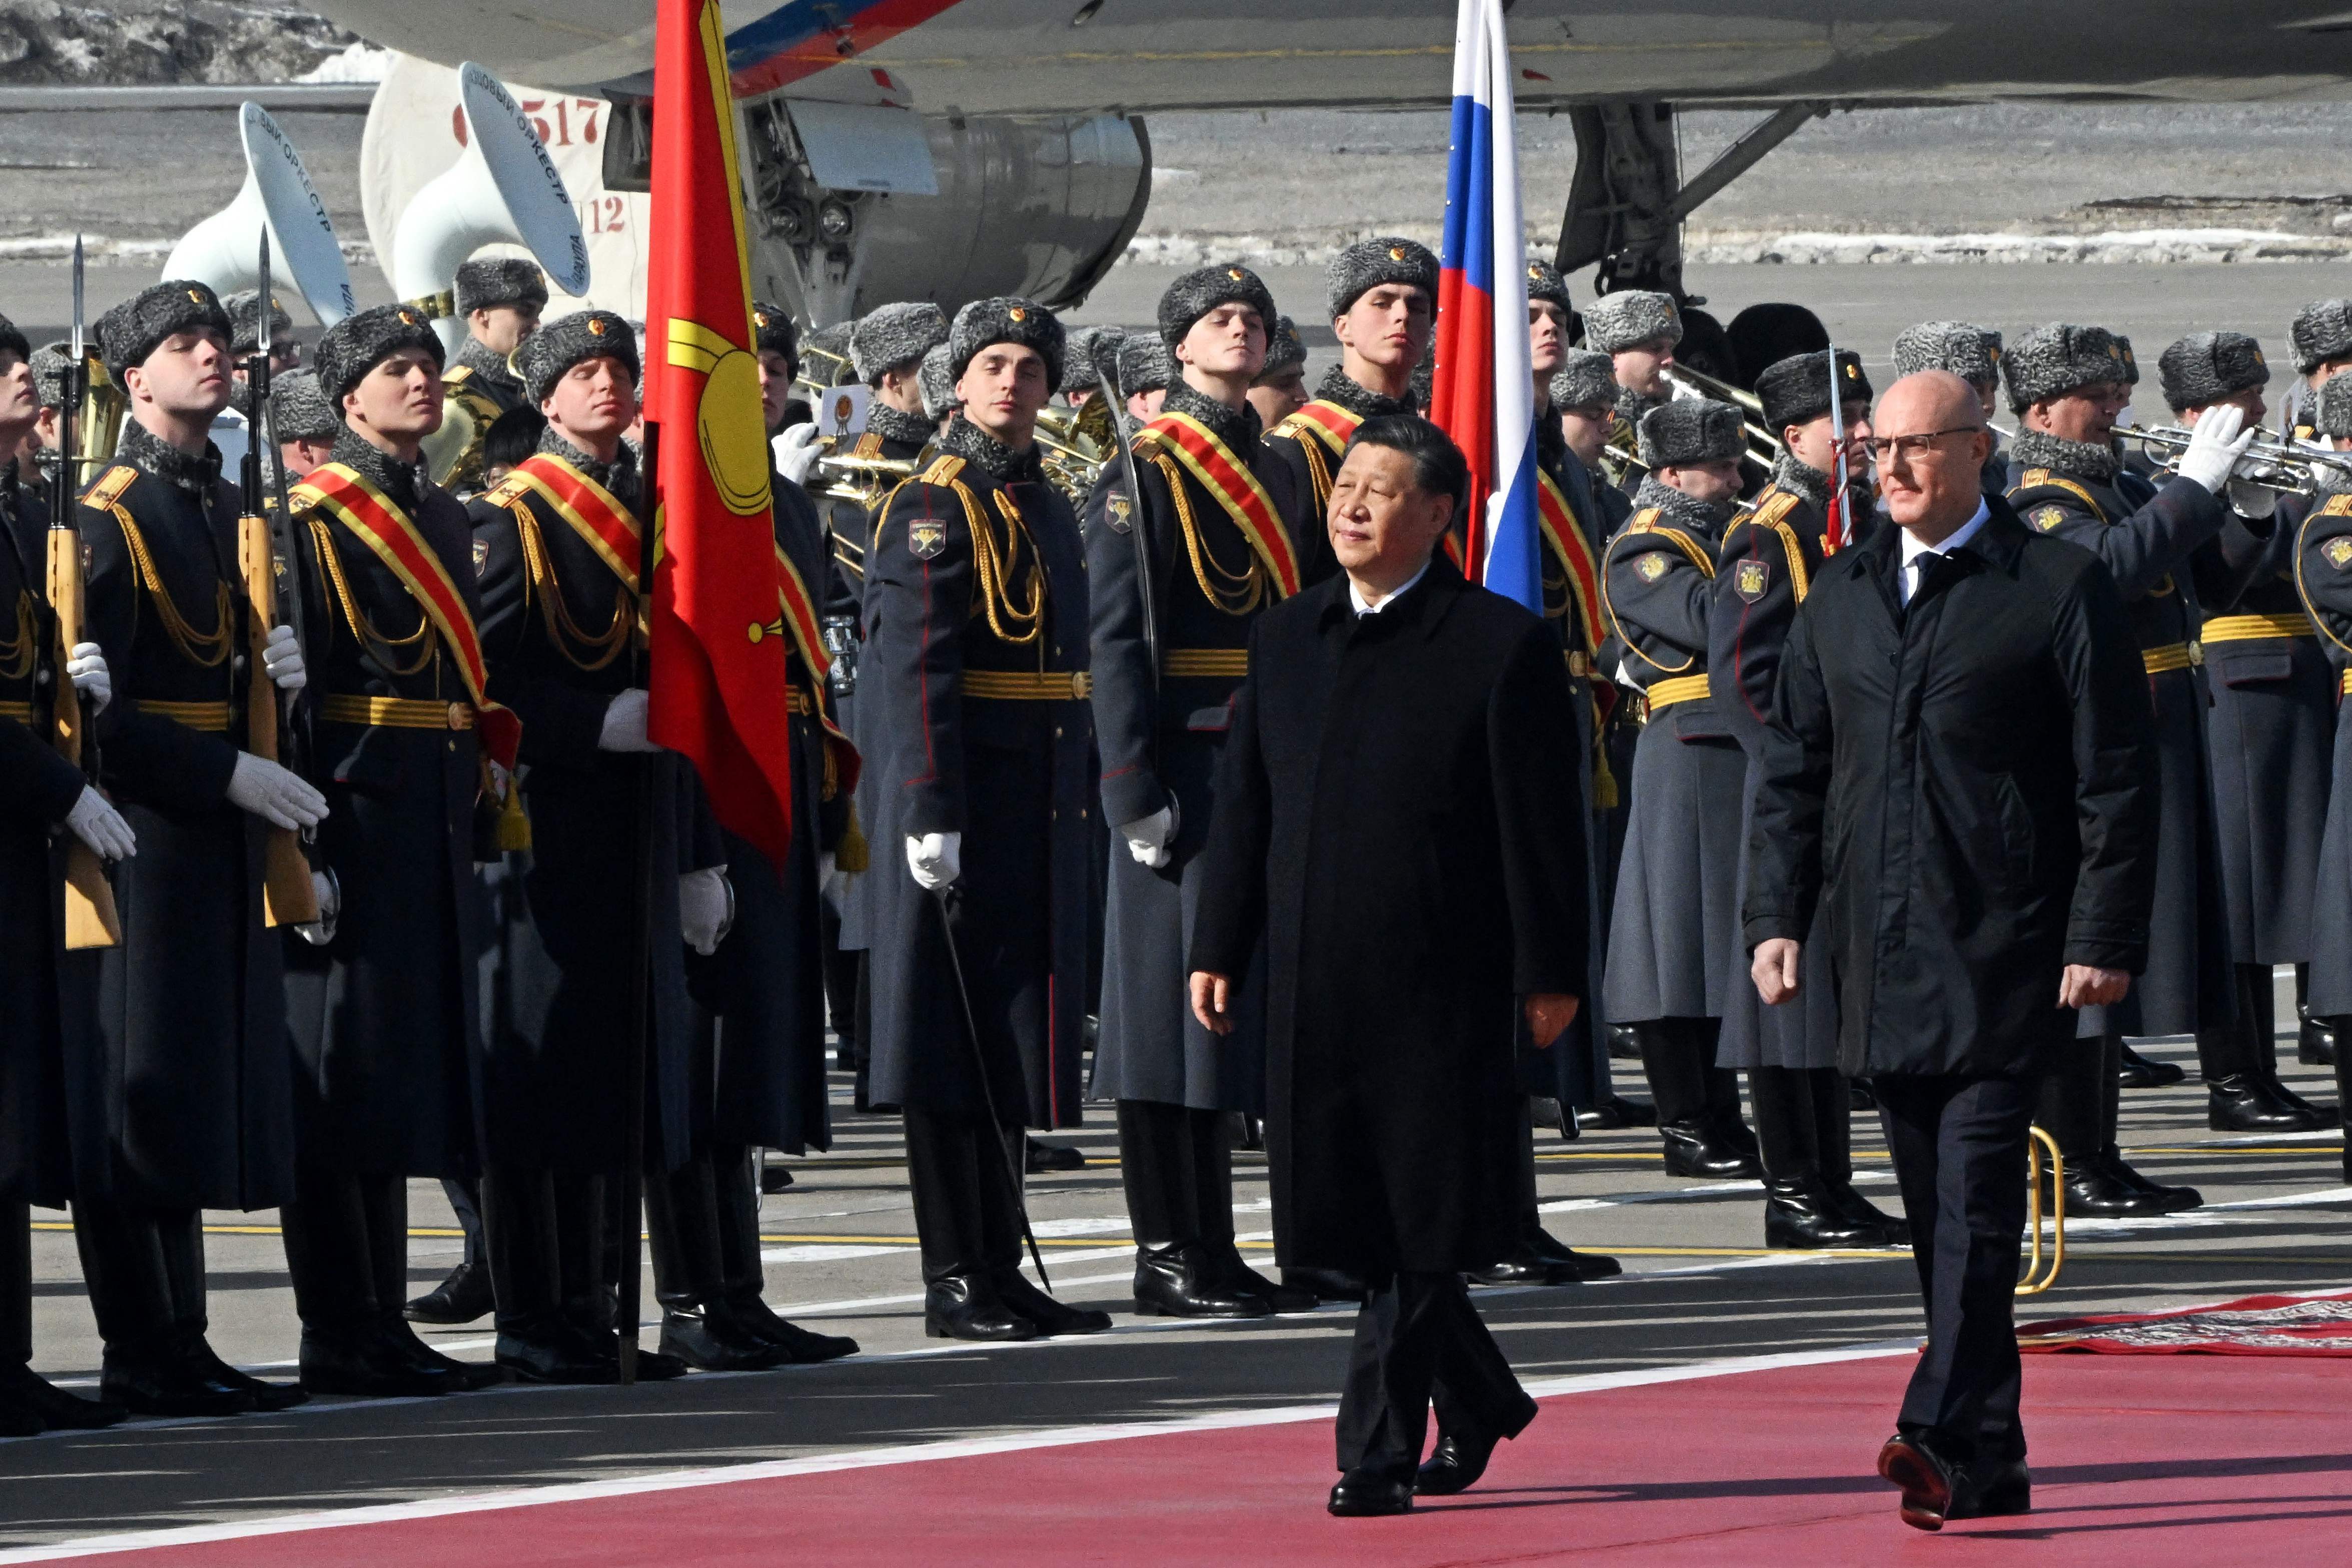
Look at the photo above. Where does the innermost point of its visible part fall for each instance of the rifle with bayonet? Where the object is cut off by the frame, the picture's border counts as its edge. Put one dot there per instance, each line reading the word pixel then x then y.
pixel 274 732
pixel 90 918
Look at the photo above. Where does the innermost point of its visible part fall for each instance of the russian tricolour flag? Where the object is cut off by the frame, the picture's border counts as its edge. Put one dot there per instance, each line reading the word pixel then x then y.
pixel 1483 395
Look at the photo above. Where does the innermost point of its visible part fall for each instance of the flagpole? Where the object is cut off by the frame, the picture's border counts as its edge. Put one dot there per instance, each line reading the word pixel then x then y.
pixel 641 936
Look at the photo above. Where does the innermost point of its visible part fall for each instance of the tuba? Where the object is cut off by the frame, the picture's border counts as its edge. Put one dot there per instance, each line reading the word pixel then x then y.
pixel 278 199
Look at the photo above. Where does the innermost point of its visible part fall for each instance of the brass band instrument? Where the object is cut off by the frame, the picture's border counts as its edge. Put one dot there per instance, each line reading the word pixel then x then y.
pixel 98 426
pixel 1073 444
pixel 868 481
pixel 821 370
pixel 1763 445
pixel 2290 467
pixel 2040 1276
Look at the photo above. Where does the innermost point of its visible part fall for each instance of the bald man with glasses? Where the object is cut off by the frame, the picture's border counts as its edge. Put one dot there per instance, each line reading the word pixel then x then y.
pixel 1960 769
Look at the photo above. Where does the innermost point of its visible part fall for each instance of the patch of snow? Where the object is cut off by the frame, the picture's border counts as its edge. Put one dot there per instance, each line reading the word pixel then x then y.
pixel 358 62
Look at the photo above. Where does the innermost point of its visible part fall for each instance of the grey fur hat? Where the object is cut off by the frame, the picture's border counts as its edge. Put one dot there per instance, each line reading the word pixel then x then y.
pixel 562 344
pixel 1796 390
pixel 2321 330
pixel 773 332
pixel 1143 364
pixel 1583 380
pixel 1628 318
pixel 2206 367
pixel 1202 290
pixel 1544 283
pixel 2330 410
pixel 50 362
pixel 1284 351
pixel 1078 371
pixel 356 344
pixel 244 309
pixel 834 343
pixel 1368 263
pixel 892 337
pixel 2131 365
pixel 298 409
pixel 1968 351
pixel 128 333
pixel 490 281
pixel 938 384
pixel 1006 320
pixel 1687 431
pixel 2058 358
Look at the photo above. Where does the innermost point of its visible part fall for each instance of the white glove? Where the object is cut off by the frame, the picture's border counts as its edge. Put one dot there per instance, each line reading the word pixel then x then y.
pixel 2215 444
pixel 327 894
pixel 1147 836
pixel 96 823
pixel 706 908
pixel 281 660
pixel 273 794
pixel 85 668
pixel 796 452
pixel 936 859
pixel 624 723
pixel 2250 500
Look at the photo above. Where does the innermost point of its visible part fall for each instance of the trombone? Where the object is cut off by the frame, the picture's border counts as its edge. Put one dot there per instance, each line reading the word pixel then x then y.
pixel 1763 444
pixel 2287 467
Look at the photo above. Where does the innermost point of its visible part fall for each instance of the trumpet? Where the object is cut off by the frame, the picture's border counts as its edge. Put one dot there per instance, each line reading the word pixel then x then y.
pixel 822 370
pixel 1763 444
pixel 868 481
pixel 2287 467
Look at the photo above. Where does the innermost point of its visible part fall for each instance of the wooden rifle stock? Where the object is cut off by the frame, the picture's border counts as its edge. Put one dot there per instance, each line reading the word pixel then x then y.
pixel 288 895
pixel 90 918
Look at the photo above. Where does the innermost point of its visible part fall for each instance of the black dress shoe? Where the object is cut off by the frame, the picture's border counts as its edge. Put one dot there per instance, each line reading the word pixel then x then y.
pixel 1360 1495
pixel 964 1307
pixel 710 1341
pixel 802 1347
pixel 1455 1465
pixel 1858 1096
pixel 2256 1102
pixel 1701 1151
pixel 1182 1282
pixel 1803 1214
pixel 1892 1230
pixel 1325 1284
pixel 2099 1186
pixel 1925 1476
pixel 1045 1157
pixel 1617 1111
pixel 1051 1317
pixel 654 1366
pixel 22 1388
pixel 556 1351
pixel 467 1375
pixel 1587 1265
pixel 2315 1045
pixel 2174 1199
pixel 774 1179
pixel 1545 1111
pixel 267 1396
pixel 1238 1277
pixel 1524 1266
pixel 362 1364
pixel 1624 1044
pixel 462 1298
pixel 169 1387
pixel 1992 1489
pixel 2143 1072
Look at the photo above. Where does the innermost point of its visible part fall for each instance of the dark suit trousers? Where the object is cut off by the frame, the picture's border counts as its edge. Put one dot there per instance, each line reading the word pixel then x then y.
pixel 1419 1339
pixel 1959 1147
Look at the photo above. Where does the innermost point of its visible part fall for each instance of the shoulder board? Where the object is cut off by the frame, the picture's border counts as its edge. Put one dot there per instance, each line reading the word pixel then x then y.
pixel 2337 506
pixel 1646 521
pixel 303 497
pixel 107 489
pixel 2042 479
pixel 869 445
pixel 508 490
pixel 456 373
pixel 1777 505
pixel 943 472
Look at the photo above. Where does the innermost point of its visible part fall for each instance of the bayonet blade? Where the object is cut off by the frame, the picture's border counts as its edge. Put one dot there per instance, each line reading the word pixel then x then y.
pixel 77 346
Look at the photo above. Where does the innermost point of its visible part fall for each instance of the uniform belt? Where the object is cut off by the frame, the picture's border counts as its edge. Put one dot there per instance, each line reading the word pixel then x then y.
pixel 2344 684
pixel 2252 628
pixel 20 711
pixel 395 712
pixel 1207 663
pixel 210 717
pixel 1681 688
pixel 798 701
pixel 2172 656
pixel 1029 685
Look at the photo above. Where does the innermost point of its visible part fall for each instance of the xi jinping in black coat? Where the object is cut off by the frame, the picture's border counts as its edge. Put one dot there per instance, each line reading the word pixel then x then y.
pixel 1398 816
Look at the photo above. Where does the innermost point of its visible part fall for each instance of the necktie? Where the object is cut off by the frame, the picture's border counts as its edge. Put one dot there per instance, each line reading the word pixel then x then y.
pixel 1922 563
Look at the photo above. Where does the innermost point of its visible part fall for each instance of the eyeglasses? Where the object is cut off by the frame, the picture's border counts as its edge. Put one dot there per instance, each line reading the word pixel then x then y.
pixel 1911 447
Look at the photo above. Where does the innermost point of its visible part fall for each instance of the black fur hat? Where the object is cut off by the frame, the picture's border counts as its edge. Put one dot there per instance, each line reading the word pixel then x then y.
pixel 490 281
pixel 2205 367
pixel 1796 390
pixel 773 332
pixel 298 409
pixel 562 344
pixel 1687 431
pixel 2058 358
pixel 1368 263
pixel 1006 320
pixel 893 337
pixel 128 333
pixel 1201 290
pixel 357 344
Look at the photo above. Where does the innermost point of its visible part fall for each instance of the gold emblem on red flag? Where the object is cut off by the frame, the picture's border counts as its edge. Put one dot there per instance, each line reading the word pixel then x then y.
pixel 727 416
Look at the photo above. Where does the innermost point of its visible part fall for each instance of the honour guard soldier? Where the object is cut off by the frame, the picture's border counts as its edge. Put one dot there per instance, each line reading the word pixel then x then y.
pixel 1972 354
pixel 1144 372
pixel 975 682
pixel 556 549
pixel 2321 338
pixel 41 443
pixel 940 403
pixel 2269 733
pixel 2067 385
pixel 184 1100
pixel 1382 295
pixel 1583 401
pixel 384 1014
pixel 1212 520
pixel 1280 389
pixel 759 1062
pixel 500 300
pixel 1081 378
pixel 243 309
pixel 44 993
pixel 1669 932
pixel 1637 328
pixel 1770 556
pixel 305 424
pixel 886 350
pixel 2323 576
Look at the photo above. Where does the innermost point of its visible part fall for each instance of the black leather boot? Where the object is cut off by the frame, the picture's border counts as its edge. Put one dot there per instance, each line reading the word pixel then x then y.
pixel 267 1396
pixel 743 1275
pixel 2343 1088
pixel 1588 1265
pixel 1696 1151
pixel 158 1381
pixel 1234 1272
pixel 467 1375
pixel 360 1361
pixel 463 1297
pixel 1616 1111
pixel 2103 1185
pixel 23 1389
pixel 547 1348
pixel 1043 1157
pixel 710 1340
pixel 1325 1284
pixel 2315 1042
pixel 1051 1317
pixel 966 1306
pixel 2145 1072
pixel 1799 1212
pixel 2255 1102
pixel 1177 1280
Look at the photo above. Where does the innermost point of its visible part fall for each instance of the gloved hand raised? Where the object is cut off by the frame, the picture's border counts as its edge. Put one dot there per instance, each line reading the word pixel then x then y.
pixel 796 452
pixel 936 859
pixel 93 819
pixel 624 723
pixel 2215 445
pixel 273 794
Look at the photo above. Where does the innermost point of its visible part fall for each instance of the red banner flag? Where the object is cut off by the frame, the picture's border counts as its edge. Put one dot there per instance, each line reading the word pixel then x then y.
pixel 718 691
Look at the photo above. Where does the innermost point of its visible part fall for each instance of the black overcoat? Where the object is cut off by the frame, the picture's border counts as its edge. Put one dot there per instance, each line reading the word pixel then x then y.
pixel 2149 540
pixel 1398 819
pixel 555 990
pixel 2322 574
pixel 1160 733
pixel 187 1098
pixel 955 691
pixel 1969 787
pixel 387 1038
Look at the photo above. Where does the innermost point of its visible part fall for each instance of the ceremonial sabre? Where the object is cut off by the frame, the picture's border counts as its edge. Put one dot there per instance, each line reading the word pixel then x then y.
pixel 987 1092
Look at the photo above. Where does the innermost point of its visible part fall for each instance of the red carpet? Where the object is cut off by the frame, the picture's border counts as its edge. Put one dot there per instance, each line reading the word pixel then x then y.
pixel 2252 1325
pixel 2142 1462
